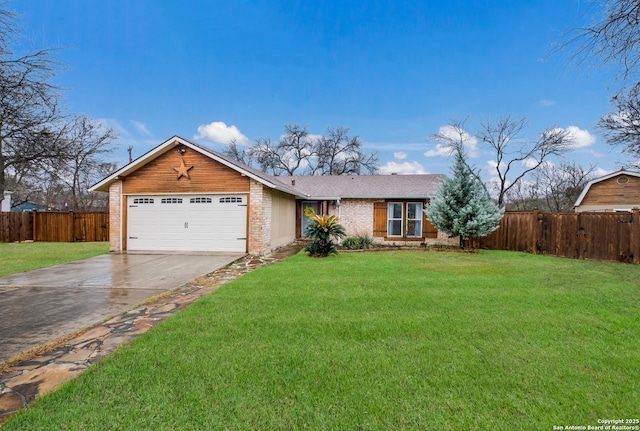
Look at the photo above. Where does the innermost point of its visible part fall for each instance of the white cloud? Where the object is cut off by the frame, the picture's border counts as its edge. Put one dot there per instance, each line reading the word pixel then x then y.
pixel 218 131
pixel 141 127
pixel 441 150
pixel 114 124
pixel 492 165
pixel 532 163
pixel 581 138
pixel 400 155
pixel 470 142
pixel 600 172
pixel 546 102
pixel 403 168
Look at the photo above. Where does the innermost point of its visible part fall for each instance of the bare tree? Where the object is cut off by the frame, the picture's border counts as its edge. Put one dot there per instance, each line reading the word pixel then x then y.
pixel 515 157
pixel 524 196
pixel 233 151
pixel 341 154
pixel 299 153
pixel 561 185
pixel 613 38
pixel 296 148
pixel 86 141
pixel 551 187
pixel 61 182
pixel 290 155
pixel 265 154
pixel 29 114
pixel 622 127
pixel 91 172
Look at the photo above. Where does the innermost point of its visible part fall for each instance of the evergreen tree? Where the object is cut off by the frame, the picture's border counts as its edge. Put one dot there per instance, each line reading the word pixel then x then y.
pixel 462 206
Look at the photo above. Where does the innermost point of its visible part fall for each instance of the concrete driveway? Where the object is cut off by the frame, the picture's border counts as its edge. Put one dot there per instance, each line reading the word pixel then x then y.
pixel 39 306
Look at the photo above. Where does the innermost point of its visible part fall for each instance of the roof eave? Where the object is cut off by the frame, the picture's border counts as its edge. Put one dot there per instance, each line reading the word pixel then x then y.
pixel 326 198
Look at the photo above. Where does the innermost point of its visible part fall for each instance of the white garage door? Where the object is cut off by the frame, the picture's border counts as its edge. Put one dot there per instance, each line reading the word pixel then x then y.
pixel 187 223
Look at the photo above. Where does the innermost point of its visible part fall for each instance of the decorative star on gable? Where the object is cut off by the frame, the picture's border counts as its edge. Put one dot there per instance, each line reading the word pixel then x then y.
pixel 183 170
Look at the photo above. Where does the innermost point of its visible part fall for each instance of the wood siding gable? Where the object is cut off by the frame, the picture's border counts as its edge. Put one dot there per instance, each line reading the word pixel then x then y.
pixel 615 192
pixel 204 176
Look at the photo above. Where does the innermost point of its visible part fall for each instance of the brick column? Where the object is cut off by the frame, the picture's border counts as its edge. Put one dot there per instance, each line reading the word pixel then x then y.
pixel 115 216
pixel 259 219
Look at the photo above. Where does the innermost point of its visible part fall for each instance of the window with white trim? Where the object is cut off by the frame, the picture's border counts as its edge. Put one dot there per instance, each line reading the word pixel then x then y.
pixel 171 200
pixel 200 200
pixel 414 219
pixel 394 219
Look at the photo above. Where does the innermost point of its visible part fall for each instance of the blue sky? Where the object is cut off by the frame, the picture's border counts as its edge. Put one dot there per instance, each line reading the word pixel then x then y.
pixel 394 72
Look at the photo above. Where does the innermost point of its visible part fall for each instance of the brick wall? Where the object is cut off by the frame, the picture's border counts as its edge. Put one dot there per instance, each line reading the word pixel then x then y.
pixel 115 216
pixel 443 239
pixel 356 216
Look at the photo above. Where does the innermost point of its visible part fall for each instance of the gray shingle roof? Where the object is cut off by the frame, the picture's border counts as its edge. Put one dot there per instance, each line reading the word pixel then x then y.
pixel 367 186
pixel 276 181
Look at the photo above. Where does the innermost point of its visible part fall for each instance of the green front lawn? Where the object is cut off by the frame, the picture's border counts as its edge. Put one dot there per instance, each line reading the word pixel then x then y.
pixel 23 257
pixel 381 340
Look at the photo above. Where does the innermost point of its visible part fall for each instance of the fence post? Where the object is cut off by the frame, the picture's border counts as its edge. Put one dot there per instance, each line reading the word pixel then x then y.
pixel 635 235
pixel 535 231
pixel 581 237
pixel 34 214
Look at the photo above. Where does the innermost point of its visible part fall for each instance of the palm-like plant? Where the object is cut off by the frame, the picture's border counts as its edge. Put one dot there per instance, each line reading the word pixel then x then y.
pixel 322 229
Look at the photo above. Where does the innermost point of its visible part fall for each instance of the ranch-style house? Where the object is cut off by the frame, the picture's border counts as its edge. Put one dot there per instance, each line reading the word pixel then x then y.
pixel 181 196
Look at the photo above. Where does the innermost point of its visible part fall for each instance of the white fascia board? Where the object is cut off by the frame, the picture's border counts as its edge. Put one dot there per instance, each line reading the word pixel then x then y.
pixel 584 191
pixel 229 164
pixel 320 198
pixel 137 163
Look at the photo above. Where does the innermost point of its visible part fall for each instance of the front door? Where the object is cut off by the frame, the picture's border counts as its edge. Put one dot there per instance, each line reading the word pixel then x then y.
pixel 309 210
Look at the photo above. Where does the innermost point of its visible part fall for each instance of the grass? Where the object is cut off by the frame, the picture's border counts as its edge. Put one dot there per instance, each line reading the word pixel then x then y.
pixel 386 340
pixel 23 257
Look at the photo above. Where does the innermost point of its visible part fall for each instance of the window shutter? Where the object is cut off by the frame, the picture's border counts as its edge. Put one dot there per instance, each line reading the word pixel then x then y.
pixel 428 229
pixel 379 219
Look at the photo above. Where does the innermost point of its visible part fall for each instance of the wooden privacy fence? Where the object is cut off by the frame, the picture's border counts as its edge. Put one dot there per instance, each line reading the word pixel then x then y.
pixel 16 227
pixel 595 236
pixel 54 227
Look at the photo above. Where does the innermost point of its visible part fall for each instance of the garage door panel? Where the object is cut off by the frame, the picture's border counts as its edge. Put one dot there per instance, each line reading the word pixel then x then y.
pixel 201 223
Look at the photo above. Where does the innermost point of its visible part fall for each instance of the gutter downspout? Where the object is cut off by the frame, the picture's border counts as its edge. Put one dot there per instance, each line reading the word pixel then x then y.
pixel 339 215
